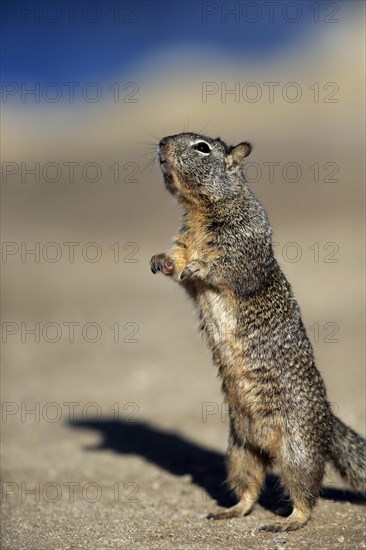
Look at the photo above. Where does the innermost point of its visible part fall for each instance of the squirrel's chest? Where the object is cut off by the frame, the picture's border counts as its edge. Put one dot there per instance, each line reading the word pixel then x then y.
pixel 197 239
pixel 217 311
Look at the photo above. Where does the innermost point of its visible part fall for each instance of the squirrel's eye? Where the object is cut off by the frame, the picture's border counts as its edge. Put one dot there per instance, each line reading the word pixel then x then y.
pixel 202 147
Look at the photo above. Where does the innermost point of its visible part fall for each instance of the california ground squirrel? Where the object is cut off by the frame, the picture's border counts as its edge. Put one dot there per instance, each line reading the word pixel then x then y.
pixel 278 407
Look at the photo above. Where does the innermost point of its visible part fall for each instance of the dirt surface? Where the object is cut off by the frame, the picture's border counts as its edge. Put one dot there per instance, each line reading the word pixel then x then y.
pixel 125 444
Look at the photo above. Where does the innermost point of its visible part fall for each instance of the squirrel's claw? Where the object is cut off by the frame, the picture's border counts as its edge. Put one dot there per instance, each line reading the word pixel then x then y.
pixel 185 273
pixel 195 268
pixel 163 263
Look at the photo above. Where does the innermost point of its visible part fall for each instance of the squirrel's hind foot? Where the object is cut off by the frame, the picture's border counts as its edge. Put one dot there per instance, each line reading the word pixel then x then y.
pixel 240 509
pixel 295 521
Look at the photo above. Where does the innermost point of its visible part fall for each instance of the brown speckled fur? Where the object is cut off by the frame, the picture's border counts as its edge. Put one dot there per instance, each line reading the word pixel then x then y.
pixel 223 257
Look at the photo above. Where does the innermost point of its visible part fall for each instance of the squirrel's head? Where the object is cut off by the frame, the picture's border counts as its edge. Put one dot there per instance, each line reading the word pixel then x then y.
pixel 198 168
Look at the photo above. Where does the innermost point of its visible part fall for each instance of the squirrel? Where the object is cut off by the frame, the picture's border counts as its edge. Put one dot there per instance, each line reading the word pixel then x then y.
pixel 277 402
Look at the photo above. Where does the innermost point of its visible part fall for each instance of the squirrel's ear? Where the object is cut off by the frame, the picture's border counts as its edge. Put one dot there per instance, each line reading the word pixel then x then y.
pixel 238 153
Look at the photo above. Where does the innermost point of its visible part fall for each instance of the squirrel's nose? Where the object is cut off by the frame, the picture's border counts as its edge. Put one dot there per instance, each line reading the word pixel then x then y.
pixel 163 142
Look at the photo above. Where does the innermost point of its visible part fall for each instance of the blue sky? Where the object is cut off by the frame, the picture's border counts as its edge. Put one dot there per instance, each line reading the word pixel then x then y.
pixel 83 40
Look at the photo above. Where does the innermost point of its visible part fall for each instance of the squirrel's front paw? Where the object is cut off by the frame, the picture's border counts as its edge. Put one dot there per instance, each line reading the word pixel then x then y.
pixel 195 268
pixel 162 262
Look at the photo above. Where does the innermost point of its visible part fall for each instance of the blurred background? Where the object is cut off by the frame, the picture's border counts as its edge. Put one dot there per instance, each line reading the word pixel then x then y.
pixel 105 378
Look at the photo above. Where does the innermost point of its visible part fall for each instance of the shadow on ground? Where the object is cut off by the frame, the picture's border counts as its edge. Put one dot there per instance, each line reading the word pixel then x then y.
pixel 179 456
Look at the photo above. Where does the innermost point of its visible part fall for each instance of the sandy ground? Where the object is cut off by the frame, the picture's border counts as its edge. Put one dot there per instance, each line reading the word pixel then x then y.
pixel 125 444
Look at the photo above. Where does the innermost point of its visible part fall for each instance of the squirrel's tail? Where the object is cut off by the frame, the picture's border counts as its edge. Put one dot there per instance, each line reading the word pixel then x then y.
pixel 348 454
